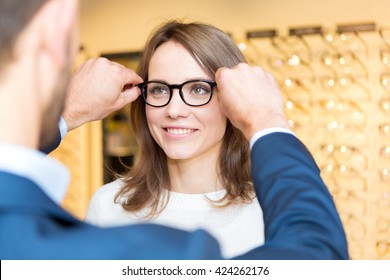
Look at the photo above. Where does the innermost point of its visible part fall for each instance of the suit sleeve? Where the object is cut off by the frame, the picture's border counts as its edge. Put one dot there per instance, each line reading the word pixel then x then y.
pixel 301 220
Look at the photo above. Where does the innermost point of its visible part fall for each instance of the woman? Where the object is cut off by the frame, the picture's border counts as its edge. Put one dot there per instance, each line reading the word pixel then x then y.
pixel 193 167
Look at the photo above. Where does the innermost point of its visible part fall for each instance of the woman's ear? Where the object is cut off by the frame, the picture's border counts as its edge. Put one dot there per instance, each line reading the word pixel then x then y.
pixel 59 26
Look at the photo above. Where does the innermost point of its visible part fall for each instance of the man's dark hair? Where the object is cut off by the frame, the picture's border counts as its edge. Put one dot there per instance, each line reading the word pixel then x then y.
pixel 14 16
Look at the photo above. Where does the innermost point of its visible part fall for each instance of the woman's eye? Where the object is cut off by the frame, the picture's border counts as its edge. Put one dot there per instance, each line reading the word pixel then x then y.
pixel 200 90
pixel 159 90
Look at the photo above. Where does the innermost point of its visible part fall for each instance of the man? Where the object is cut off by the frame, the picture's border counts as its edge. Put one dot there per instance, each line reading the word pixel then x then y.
pixel 37 44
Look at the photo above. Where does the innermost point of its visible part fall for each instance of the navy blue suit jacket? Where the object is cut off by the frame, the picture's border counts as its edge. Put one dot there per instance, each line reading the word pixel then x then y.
pixel 301 221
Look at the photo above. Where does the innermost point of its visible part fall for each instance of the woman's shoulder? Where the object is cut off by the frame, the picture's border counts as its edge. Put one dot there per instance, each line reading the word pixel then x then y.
pixel 109 190
pixel 103 209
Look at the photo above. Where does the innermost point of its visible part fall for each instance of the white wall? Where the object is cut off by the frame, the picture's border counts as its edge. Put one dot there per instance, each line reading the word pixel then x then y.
pixel 123 25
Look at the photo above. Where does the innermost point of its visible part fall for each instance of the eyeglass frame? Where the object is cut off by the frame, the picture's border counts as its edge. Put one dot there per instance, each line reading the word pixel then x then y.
pixel 143 88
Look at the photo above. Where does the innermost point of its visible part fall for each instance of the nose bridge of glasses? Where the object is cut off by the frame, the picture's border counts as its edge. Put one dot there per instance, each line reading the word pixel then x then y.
pixel 175 86
pixel 179 88
pixel 176 99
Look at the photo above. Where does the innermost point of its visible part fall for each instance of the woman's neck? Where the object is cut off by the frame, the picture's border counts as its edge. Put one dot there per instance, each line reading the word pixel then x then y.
pixel 196 175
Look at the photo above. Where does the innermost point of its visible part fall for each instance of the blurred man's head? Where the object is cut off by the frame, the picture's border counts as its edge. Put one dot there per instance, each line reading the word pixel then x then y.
pixel 42 33
pixel 14 17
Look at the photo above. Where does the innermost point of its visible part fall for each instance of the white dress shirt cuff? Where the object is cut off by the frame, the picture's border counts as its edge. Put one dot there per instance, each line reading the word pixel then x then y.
pixel 63 127
pixel 267 131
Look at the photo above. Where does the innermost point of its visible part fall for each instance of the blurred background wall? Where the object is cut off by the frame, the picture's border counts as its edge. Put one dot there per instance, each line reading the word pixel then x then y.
pixel 118 25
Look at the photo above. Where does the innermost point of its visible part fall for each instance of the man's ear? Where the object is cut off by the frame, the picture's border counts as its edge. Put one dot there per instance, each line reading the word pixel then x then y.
pixel 59 19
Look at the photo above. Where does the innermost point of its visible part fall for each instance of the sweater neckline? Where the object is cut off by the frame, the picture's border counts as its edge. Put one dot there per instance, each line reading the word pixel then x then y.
pixel 193 202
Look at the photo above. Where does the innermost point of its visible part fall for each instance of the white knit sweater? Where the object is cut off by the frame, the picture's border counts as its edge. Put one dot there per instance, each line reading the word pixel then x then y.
pixel 238 228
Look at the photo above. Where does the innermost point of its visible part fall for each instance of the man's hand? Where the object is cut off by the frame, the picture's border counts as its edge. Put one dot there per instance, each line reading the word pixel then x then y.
pixel 250 98
pixel 97 89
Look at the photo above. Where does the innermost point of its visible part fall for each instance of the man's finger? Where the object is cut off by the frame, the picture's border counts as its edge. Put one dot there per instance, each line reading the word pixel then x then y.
pixel 130 94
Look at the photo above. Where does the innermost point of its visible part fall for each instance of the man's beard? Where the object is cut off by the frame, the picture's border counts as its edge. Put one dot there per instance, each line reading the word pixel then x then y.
pixel 51 115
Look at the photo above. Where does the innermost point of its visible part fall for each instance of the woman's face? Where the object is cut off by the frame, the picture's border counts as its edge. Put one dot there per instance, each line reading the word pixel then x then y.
pixel 182 131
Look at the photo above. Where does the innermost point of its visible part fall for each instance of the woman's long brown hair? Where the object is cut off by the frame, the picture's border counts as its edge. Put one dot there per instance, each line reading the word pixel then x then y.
pixel 145 183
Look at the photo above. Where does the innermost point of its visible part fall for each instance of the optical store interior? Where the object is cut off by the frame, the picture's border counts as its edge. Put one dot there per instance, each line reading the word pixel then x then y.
pixel 331 60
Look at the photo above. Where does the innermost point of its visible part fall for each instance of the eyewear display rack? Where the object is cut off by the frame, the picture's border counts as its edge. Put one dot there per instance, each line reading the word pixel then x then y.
pixel 336 88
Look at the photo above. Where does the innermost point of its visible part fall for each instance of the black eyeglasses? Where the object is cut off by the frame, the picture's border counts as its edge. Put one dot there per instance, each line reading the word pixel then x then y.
pixel 193 93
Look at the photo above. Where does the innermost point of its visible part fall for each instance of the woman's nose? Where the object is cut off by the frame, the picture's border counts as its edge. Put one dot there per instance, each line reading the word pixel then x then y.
pixel 176 108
